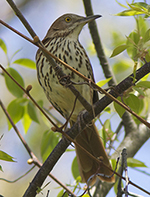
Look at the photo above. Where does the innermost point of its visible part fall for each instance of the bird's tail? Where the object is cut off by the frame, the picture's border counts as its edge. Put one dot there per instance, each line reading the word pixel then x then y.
pixel 90 140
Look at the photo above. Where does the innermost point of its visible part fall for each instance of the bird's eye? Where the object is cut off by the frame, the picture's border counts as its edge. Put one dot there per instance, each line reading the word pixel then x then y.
pixel 67 19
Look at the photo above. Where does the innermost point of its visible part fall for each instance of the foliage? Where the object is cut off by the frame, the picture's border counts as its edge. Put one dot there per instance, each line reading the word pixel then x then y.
pixel 135 50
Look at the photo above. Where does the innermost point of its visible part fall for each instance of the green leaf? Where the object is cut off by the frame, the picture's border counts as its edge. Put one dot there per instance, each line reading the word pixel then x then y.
pixel 1 169
pixel 120 110
pixel 147 36
pixel 40 103
pixel 4 156
pixel 26 121
pixel 117 38
pixel 75 168
pixel 113 163
pixel 91 49
pixel 120 67
pixel 142 27
pixel 3 46
pixel 16 110
pixel 49 141
pixel 147 56
pixel 116 186
pixel 139 6
pixel 11 85
pixel 134 103
pixel 143 84
pixel 107 132
pixel 129 12
pixel 61 193
pixel 108 110
pixel 135 163
pixel 145 77
pixel 26 62
pixel 132 41
pixel 119 50
pixel 103 82
pixel 32 111
pixel 139 90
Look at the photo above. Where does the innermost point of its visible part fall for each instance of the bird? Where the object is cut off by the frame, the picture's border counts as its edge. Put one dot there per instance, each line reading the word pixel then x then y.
pixel 62 40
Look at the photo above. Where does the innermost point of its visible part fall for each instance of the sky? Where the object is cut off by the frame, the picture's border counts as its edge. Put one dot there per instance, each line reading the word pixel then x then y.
pixel 40 15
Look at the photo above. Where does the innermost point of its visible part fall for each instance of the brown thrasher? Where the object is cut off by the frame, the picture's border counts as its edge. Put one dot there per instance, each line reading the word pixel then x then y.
pixel 62 41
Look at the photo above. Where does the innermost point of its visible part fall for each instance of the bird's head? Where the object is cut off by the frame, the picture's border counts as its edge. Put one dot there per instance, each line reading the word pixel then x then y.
pixel 69 24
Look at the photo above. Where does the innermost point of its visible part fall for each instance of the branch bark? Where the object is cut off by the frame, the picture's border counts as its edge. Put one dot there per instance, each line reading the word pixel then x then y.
pixel 98 45
pixel 74 131
pixel 88 116
pixel 133 141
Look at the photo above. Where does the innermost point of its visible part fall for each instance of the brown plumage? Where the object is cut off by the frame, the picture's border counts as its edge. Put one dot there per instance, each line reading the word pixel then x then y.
pixel 62 41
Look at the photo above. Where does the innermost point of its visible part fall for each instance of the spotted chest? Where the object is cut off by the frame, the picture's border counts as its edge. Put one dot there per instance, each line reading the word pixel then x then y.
pixel 72 53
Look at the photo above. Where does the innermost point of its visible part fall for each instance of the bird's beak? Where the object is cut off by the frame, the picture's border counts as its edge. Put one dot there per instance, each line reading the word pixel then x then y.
pixel 88 19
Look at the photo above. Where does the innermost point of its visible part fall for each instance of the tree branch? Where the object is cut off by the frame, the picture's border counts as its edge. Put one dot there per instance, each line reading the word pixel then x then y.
pixel 97 43
pixel 55 66
pixel 133 142
pixel 60 74
pixel 102 57
pixel 74 131
pixel 34 160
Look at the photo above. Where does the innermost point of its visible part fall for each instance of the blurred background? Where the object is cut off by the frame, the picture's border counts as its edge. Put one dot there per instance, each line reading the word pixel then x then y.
pixel 40 15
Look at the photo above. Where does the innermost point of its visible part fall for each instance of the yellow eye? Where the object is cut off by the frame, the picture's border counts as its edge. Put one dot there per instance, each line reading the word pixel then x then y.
pixel 67 19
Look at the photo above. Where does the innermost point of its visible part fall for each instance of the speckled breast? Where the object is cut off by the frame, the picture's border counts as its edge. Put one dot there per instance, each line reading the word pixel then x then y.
pixel 72 53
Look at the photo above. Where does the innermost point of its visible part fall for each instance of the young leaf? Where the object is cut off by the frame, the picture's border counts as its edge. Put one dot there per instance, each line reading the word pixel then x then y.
pixel 108 110
pixel 16 110
pixel 107 132
pixel 11 85
pixel 135 163
pixel 119 50
pixel 75 168
pixel 26 62
pixel 103 82
pixel 3 46
pixel 139 6
pixel 26 121
pixel 143 84
pixel 61 193
pixel 147 36
pixel 132 41
pixel 139 90
pixel 116 186
pixel 4 156
pixel 32 112
pixel 134 103
pixel 129 12
pixel 120 110
pixel 1 169
pixel 49 141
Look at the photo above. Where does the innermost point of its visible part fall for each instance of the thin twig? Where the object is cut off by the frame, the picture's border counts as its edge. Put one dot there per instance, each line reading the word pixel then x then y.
pixel 89 153
pixel 56 127
pixel 124 152
pixel 83 101
pixel 26 91
pixel 16 129
pixel 98 45
pixel 59 129
pixel 34 158
pixel 2 179
pixel 56 68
